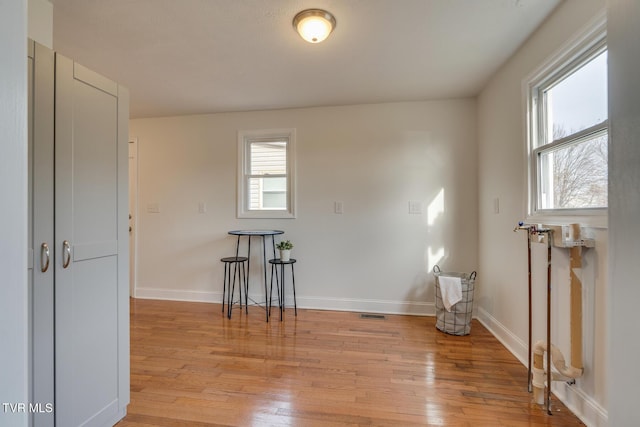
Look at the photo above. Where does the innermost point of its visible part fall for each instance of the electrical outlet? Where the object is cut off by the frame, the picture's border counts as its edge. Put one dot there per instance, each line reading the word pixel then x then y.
pixel 415 207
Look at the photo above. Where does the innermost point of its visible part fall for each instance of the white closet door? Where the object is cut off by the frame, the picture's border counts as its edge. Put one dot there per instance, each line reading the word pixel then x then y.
pixel 91 224
pixel 41 262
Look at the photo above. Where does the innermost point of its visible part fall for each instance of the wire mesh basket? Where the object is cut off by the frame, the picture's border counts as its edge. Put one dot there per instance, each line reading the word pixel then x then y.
pixel 457 321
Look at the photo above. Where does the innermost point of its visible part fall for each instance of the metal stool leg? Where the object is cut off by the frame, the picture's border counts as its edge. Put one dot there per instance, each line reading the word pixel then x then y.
pixel 293 282
pixel 274 272
pixel 273 246
pixel 231 292
pixel 264 263
pixel 270 299
pixel 238 270
pixel 245 282
pixel 224 286
pixel 239 274
pixel 282 291
pixel 246 294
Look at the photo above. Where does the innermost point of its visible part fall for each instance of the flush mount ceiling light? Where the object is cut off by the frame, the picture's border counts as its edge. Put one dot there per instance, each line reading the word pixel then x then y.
pixel 314 25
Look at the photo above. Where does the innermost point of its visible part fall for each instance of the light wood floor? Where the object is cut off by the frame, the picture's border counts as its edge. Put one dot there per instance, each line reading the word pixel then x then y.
pixel 191 366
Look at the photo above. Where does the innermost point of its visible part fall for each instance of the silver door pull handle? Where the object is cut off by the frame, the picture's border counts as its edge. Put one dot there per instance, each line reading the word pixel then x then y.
pixel 44 255
pixel 66 252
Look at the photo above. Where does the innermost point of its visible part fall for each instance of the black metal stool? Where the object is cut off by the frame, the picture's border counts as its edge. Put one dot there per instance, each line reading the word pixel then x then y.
pixel 280 283
pixel 229 288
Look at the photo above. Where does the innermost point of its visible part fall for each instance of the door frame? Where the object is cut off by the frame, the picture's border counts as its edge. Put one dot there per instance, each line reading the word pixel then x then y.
pixel 134 150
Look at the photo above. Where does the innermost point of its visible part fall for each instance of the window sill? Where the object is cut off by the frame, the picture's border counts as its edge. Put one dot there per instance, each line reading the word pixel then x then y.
pixel 266 214
pixel 597 218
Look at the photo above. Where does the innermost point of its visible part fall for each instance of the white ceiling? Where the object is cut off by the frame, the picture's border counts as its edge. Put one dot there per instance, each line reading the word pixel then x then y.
pixel 202 56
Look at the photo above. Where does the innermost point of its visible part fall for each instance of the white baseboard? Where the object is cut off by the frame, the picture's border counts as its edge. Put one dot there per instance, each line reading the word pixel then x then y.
pixel 585 408
pixel 512 342
pixel 578 402
pixel 366 305
pixel 177 295
pixel 318 303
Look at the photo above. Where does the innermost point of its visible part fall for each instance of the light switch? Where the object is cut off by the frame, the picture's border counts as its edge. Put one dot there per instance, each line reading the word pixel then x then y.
pixel 153 208
pixel 202 207
pixel 415 207
pixel 338 207
pixel 496 205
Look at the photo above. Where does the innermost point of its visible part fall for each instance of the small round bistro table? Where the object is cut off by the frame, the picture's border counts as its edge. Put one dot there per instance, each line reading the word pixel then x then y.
pixel 257 233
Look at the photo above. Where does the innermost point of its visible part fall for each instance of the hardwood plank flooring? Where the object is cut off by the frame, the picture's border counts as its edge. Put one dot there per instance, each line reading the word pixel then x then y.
pixel 191 366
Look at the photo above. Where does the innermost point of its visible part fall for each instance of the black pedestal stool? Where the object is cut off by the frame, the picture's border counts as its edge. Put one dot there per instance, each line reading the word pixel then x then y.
pixel 280 282
pixel 237 264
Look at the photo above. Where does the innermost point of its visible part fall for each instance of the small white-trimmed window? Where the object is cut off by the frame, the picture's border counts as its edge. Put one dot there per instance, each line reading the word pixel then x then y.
pixel 568 131
pixel 266 168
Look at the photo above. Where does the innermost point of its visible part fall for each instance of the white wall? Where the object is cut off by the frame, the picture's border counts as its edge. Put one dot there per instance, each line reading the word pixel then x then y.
pixel 503 253
pixel 624 211
pixel 40 22
pixel 13 215
pixel 373 158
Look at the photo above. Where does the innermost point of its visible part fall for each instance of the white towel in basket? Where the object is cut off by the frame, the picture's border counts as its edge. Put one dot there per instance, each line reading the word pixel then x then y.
pixel 451 290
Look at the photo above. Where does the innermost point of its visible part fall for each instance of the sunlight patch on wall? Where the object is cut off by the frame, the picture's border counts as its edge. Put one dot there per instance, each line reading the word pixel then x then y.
pixel 436 208
pixel 435 253
pixel 434 257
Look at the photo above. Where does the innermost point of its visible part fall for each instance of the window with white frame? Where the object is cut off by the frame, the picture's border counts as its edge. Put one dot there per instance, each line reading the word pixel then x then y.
pixel 568 132
pixel 266 166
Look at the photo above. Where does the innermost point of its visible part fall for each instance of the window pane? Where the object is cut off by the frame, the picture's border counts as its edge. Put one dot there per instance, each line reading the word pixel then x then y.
pixel 277 200
pixel 578 101
pixel 267 193
pixel 268 158
pixel 255 193
pixel 575 176
pixel 275 184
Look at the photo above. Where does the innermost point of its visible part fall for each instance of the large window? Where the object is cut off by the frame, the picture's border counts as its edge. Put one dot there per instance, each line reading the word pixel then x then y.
pixel 266 173
pixel 568 132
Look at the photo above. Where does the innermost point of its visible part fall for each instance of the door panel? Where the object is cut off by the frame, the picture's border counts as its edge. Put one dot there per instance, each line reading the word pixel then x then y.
pixel 95 165
pixel 91 341
pixel 93 356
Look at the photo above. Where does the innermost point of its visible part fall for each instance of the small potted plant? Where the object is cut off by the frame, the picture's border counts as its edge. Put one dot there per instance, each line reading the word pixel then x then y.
pixel 285 249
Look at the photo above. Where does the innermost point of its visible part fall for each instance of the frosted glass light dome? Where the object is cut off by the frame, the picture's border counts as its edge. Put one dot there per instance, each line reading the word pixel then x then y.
pixel 314 25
